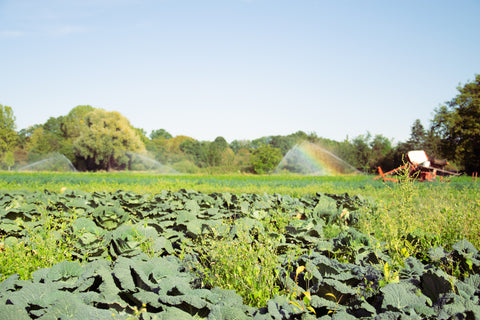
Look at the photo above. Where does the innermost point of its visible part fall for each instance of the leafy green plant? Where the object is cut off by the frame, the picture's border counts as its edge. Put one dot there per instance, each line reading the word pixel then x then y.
pixel 246 263
pixel 42 246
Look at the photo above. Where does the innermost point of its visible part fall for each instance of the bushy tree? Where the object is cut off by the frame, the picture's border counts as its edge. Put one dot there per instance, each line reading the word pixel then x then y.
pixel 265 159
pixel 458 125
pixel 104 141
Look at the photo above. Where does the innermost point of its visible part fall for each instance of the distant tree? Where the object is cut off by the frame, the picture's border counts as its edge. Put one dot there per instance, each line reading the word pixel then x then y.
pixel 242 158
pixel 284 143
pixel 8 136
pixel 39 143
pixel 254 144
pixel 9 159
pixel 432 144
pixel 104 142
pixel 346 151
pixel 381 153
pixel 237 145
pixel 74 122
pixel 50 137
pixel 197 151
pixel 458 125
pixel 216 151
pixel 160 133
pixel 362 152
pixel 265 159
pixel 418 136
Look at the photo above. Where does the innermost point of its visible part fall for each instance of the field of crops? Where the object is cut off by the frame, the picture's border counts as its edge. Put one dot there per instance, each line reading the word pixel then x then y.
pixel 142 246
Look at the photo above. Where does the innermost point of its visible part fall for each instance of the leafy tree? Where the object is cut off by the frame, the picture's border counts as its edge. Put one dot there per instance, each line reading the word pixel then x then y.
pixel 237 145
pixel 38 142
pixel 432 145
pixel 381 149
pixel 265 159
pixel 216 150
pixel 8 136
pixel 284 143
pixel 104 142
pixel 458 125
pixel 362 151
pixel 48 138
pixel 160 133
pixel 9 159
pixel 197 151
pixel 418 136
pixel 74 122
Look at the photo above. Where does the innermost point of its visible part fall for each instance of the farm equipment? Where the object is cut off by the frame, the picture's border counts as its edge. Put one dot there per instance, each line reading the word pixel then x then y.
pixel 419 166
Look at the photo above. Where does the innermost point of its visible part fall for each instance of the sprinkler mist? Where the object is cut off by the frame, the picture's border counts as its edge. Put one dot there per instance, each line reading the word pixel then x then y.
pixel 140 162
pixel 310 159
pixel 53 162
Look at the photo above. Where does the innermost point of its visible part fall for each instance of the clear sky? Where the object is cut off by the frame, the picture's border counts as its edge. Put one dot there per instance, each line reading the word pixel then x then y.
pixel 241 69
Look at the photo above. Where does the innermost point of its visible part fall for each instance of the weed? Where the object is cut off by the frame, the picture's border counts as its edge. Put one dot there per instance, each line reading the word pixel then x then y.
pixel 246 263
pixel 45 245
pixel 303 296
pixel 337 302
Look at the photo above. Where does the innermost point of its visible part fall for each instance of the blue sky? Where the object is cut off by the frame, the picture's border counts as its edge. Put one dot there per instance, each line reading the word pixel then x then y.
pixel 241 69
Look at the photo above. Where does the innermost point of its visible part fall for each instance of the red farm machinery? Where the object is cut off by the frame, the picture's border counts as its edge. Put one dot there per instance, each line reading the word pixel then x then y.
pixel 419 166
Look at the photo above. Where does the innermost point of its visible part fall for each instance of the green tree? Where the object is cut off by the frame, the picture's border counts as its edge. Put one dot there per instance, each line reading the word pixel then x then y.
pixel 362 151
pixel 8 136
pixel 284 143
pixel 216 150
pixel 417 136
pixel 237 145
pixel 381 151
pixel 265 159
pixel 160 133
pixel 197 152
pixel 74 122
pixel 458 125
pixel 104 143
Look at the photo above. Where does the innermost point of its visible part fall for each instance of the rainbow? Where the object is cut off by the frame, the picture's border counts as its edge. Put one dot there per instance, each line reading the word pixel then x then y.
pixel 311 159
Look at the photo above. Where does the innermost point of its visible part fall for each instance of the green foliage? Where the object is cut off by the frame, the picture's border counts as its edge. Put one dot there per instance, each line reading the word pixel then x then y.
pixel 45 241
pixel 160 133
pixel 458 126
pixel 418 136
pixel 104 140
pixel 8 136
pixel 246 263
pixel 265 159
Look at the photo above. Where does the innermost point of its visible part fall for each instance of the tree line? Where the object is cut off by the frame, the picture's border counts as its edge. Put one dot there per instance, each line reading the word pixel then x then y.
pixel 95 139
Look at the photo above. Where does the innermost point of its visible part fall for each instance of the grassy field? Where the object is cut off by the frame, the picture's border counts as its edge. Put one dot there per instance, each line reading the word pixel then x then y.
pixel 151 183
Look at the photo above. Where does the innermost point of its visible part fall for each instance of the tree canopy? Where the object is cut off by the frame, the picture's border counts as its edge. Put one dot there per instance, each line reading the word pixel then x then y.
pixel 458 125
pixel 105 141
pixel 8 136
